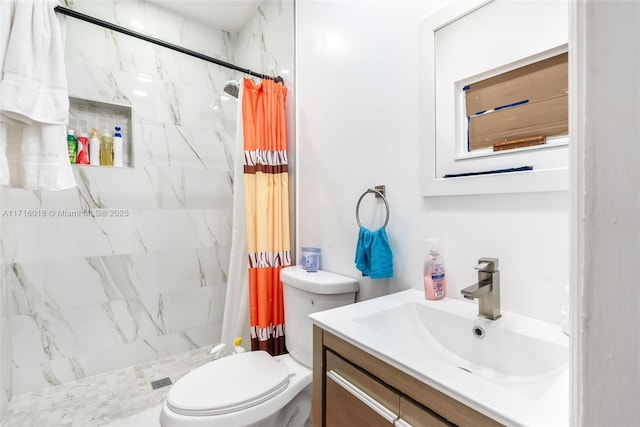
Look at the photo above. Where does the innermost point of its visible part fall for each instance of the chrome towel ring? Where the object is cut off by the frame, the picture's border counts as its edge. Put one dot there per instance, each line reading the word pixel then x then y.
pixel 379 191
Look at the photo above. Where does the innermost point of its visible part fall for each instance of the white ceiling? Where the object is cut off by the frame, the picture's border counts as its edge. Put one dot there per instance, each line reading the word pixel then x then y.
pixel 229 15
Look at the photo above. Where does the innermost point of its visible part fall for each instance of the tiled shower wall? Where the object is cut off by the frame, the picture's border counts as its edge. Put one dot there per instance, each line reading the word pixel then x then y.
pixel 144 274
pixel 147 277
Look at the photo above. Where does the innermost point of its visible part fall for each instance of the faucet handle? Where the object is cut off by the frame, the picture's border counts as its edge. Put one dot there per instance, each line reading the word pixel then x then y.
pixel 487 265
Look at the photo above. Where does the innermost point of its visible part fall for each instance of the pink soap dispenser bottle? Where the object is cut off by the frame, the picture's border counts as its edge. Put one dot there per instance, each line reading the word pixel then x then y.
pixel 435 283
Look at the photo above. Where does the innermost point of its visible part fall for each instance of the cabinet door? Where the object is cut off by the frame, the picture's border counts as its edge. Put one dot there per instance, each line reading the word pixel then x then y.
pixel 354 398
pixel 414 414
pixel 347 405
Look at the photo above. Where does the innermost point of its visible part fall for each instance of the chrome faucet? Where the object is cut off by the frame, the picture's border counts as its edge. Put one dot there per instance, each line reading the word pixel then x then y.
pixel 487 290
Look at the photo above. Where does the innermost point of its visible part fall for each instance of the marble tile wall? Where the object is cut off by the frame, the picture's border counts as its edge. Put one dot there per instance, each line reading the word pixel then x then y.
pixel 266 45
pixel 132 264
pixel 5 349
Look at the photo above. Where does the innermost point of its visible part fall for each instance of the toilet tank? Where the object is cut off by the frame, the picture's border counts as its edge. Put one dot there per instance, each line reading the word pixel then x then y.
pixel 306 293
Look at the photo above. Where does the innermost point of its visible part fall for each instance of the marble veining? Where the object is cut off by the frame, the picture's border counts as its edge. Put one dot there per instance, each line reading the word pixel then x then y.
pixel 89 293
pixel 86 294
pixel 106 302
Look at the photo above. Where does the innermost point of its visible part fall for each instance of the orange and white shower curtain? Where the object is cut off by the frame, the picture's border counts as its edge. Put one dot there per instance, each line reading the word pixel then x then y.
pixel 266 190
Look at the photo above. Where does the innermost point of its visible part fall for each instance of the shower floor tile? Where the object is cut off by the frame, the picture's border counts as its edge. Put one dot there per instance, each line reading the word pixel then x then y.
pixel 104 398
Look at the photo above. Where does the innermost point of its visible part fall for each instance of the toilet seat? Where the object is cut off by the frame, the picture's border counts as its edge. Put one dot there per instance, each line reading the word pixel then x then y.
pixel 228 385
pixel 299 380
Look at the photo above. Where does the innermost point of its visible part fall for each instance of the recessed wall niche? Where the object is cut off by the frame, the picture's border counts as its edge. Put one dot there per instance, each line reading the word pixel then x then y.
pixel 85 114
pixel 465 43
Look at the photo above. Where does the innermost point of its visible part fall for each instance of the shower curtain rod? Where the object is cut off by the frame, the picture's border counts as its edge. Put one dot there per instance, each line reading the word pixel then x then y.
pixel 123 30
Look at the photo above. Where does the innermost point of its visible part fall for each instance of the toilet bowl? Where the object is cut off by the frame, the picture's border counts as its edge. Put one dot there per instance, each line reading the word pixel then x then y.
pixel 255 388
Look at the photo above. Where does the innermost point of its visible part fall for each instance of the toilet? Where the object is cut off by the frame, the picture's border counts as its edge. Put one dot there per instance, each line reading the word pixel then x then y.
pixel 255 388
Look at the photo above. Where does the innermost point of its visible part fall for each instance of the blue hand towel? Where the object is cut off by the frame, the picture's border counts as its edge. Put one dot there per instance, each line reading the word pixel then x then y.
pixel 373 254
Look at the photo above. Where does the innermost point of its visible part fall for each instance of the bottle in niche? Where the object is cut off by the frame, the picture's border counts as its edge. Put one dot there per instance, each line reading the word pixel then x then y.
pixel 94 148
pixel 435 283
pixel 118 158
pixel 106 149
pixel 83 149
pixel 72 145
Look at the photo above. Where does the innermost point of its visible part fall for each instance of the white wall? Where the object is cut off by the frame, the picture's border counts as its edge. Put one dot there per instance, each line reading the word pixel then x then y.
pixel 607 243
pixel 358 126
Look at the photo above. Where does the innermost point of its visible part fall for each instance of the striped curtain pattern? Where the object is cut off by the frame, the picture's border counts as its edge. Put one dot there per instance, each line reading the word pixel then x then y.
pixel 266 185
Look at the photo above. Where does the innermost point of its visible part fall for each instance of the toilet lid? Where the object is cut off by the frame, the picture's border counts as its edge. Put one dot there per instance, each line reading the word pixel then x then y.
pixel 228 385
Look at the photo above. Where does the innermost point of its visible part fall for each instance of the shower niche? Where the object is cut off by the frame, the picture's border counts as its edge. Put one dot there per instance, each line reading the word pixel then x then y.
pixel 85 114
pixel 478 143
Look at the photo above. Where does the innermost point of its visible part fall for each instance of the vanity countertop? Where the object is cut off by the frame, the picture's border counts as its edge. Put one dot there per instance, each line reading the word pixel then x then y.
pixel 517 372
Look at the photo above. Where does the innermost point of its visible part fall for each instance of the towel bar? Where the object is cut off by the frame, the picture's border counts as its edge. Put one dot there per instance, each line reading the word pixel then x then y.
pixel 379 192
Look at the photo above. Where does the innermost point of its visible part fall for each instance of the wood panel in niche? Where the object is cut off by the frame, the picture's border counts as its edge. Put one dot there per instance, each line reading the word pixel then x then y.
pixel 527 104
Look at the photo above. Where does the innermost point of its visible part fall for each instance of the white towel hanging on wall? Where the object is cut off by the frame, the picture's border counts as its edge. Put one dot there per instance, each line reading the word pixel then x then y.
pixel 34 101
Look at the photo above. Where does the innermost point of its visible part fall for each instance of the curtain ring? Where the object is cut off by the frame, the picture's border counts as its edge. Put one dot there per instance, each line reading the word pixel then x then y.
pixel 378 194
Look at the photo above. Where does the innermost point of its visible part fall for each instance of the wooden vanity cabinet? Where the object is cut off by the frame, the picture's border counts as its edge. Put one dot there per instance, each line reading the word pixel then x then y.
pixel 354 388
pixel 352 397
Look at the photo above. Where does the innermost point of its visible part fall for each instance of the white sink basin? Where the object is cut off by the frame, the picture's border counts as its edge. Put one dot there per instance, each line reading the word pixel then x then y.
pixel 514 369
pixel 450 330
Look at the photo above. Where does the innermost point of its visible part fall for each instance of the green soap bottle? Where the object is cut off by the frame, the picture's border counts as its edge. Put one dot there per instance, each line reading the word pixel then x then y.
pixel 72 145
pixel 106 149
